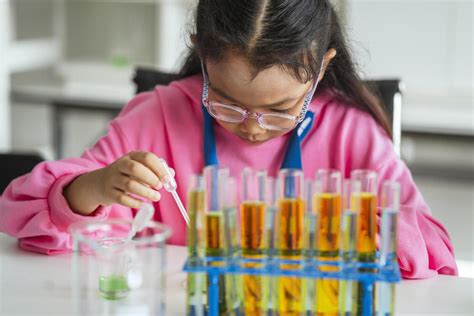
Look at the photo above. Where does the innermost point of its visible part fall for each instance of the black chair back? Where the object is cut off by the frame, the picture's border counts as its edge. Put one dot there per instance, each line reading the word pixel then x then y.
pixel 13 165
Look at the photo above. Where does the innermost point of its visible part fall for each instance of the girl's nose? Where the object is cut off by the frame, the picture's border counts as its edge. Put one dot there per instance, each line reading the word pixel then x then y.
pixel 250 127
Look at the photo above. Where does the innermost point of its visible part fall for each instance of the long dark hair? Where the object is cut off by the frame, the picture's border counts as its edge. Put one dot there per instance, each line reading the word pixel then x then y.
pixel 292 34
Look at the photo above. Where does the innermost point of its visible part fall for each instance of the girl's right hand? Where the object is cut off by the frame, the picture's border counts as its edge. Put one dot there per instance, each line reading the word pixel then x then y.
pixel 135 176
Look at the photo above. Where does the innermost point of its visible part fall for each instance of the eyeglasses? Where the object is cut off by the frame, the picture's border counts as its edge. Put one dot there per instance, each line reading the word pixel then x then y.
pixel 236 115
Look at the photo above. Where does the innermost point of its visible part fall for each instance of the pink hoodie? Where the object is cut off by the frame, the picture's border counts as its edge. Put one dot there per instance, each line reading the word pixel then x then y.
pixel 169 122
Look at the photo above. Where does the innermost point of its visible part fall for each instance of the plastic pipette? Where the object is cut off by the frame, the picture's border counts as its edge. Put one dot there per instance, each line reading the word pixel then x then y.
pixel 170 185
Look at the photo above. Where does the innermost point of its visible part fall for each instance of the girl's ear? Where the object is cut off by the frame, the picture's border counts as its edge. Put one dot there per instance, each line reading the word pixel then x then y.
pixel 330 54
pixel 193 38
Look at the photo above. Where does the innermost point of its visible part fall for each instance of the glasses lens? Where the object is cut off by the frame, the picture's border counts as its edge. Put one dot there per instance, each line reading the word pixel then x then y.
pixel 225 113
pixel 278 122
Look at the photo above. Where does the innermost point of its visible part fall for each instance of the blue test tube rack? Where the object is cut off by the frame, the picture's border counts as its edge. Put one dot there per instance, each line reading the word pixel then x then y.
pixel 308 269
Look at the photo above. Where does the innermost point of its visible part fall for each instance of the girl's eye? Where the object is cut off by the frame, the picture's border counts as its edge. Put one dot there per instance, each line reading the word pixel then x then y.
pixel 280 111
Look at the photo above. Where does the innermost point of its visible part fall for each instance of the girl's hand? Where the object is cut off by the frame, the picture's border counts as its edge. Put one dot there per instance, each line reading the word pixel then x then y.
pixel 130 178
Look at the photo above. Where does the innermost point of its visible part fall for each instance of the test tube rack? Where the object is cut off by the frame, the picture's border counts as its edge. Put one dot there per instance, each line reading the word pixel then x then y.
pixel 215 267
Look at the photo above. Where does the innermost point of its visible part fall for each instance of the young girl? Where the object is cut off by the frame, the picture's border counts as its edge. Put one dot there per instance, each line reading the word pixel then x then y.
pixel 267 84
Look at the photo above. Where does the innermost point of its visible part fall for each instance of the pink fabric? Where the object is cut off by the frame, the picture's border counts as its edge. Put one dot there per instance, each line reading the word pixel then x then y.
pixel 168 122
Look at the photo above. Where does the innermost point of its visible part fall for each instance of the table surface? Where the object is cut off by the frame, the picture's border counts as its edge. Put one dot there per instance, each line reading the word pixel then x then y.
pixel 34 284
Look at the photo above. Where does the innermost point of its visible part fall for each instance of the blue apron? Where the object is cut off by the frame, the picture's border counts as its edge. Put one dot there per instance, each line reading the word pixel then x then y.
pixel 292 158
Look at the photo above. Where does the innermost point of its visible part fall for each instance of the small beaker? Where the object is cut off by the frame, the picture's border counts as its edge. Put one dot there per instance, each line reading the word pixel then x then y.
pixel 113 275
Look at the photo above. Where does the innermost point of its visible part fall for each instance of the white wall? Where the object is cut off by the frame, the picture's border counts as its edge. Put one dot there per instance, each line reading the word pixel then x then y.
pixel 4 77
pixel 426 43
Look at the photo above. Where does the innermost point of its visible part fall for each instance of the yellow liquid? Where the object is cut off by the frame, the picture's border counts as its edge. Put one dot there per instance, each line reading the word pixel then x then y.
pixel 328 208
pixel 196 204
pixel 253 243
pixel 290 223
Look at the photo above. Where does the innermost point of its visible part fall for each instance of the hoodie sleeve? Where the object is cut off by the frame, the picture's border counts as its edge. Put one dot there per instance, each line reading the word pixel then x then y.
pixel 33 208
pixel 424 247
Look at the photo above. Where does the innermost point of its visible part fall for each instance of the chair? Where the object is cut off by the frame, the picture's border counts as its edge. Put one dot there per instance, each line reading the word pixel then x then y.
pixel 389 92
pixel 13 165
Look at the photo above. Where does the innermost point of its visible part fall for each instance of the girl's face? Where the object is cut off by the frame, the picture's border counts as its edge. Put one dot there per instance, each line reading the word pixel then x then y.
pixel 273 90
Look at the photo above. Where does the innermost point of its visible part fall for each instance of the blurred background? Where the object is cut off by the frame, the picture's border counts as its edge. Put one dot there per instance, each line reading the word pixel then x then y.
pixel 66 69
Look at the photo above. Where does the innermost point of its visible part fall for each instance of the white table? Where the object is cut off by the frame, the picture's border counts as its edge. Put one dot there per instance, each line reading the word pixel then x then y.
pixel 33 284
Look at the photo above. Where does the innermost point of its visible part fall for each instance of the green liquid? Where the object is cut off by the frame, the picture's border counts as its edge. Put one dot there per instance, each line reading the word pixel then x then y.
pixel 113 287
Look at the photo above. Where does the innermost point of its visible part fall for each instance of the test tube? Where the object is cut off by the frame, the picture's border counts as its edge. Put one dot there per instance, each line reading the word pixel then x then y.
pixel 349 222
pixel 252 213
pixel 253 238
pixel 231 242
pixel 214 241
pixel 348 288
pixel 328 207
pixel 196 205
pixel 309 244
pixel 195 281
pixel 364 203
pixel 289 242
pixel 390 204
pixel 271 201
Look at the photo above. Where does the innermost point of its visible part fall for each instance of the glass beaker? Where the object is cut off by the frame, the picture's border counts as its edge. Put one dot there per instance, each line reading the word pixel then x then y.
pixel 112 275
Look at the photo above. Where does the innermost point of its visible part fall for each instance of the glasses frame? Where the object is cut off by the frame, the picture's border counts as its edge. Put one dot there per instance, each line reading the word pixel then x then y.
pixel 259 117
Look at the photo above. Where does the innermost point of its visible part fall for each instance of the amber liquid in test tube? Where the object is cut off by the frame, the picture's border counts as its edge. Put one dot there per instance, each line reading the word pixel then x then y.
pixel 289 236
pixel 364 203
pixel 327 206
pixel 253 238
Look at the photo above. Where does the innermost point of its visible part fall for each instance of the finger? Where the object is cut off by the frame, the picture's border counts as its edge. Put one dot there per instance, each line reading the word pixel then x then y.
pixel 139 171
pixel 151 161
pixel 129 185
pixel 124 199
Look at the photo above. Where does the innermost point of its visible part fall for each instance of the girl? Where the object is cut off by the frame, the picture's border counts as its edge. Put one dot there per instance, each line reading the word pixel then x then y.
pixel 267 84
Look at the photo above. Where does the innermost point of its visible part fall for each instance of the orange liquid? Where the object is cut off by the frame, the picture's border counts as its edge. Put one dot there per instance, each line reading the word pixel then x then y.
pixel 290 223
pixel 214 232
pixel 253 239
pixel 327 206
pixel 253 243
pixel 365 204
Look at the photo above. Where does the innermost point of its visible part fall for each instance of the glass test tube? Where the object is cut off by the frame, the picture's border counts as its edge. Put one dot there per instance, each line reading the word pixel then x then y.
pixel 214 241
pixel 195 281
pixel 289 233
pixel 231 244
pixel 390 204
pixel 252 212
pixel 271 201
pixel 348 288
pixel 328 207
pixel 253 238
pixel 309 245
pixel 364 203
